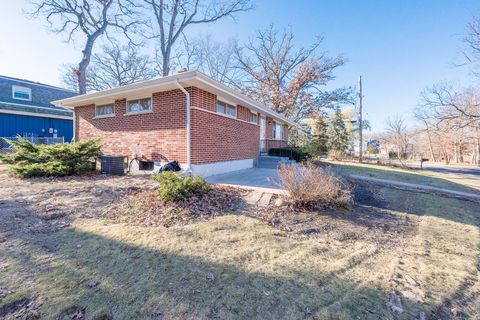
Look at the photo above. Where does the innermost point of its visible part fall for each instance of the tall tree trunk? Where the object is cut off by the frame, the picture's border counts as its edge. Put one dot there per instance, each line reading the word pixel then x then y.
pixel 166 65
pixel 477 151
pixel 83 65
pixel 432 154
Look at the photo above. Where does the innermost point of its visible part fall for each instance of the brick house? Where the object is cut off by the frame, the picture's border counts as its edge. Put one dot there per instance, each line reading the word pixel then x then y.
pixel 206 126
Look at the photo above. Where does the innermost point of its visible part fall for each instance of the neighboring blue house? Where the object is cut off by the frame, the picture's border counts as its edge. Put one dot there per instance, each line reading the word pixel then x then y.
pixel 26 110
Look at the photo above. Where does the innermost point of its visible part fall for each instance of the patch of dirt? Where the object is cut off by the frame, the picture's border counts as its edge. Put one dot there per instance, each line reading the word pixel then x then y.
pixel 368 220
pixel 72 312
pixel 147 209
pixel 26 309
pixel 44 205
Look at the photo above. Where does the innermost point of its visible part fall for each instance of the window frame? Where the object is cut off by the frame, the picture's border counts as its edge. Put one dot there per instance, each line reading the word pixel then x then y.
pixel 281 131
pixel 16 87
pixel 108 115
pixel 142 111
pixel 226 105
pixel 252 114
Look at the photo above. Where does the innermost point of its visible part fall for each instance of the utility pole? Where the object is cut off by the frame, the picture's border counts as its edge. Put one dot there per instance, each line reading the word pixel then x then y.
pixel 360 120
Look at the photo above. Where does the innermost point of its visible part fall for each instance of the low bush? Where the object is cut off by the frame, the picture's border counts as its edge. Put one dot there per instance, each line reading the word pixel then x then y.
pixel 290 152
pixel 311 185
pixel 337 155
pixel 176 187
pixel 30 160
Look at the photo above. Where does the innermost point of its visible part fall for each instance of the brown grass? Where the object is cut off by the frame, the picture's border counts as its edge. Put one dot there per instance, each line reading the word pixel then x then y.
pixel 310 185
pixel 234 266
pixel 146 207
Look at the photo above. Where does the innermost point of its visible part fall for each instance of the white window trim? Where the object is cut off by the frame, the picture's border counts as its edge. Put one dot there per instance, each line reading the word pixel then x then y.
pixel 110 115
pixel 254 113
pixel 279 132
pixel 223 115
pixel 227 104
pixel 139 112
pixel 14 87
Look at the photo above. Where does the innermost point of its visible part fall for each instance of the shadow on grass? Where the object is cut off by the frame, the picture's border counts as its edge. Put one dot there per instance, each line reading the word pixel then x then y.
pixel 140 282
pixel 417 203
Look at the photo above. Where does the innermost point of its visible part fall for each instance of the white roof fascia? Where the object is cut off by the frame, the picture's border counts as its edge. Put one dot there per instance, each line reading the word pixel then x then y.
pixel 169 80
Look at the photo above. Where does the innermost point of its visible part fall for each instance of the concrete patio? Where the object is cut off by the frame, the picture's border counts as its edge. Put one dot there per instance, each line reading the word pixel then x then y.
pixel 260 179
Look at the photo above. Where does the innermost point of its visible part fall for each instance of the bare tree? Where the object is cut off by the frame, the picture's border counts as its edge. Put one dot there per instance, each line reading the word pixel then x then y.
pixel 115 66
pixel 218 60
pixel 289 81
pixel 186 55
pixel 423 117
pixel 472 41
pixel 446 103
pixel 92 18
pixel 172 17
pixel 397 135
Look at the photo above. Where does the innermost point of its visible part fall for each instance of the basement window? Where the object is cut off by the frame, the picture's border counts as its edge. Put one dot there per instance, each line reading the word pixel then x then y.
pixel 21 93
pixel 146 166
pixel 226 109
pixel 105 110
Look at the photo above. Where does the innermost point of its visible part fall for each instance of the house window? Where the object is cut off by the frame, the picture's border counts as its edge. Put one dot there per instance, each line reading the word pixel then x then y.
pixel 254 118
pixel 21 93
pixel 227 109
pixel 139 106
pixel 280 132
pixel 105 110
pixel 277 131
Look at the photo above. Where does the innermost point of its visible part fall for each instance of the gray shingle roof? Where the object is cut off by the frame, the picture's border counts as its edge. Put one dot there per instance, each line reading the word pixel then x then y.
pixel 42 95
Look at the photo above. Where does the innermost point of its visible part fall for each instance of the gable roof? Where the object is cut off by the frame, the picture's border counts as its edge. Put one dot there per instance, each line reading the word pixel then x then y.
pixel 42 96
pixel 145 88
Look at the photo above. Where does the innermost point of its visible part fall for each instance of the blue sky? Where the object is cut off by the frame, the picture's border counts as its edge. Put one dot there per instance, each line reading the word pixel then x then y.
pixel 399 47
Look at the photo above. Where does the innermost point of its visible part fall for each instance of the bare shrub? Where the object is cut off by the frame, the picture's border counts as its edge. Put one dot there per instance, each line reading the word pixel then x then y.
pixel 311 185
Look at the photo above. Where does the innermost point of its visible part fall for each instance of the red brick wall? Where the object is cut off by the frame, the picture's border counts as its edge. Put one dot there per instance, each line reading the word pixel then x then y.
pixel 202 99
pixel 216 137
pixel 161 134
pixel 220 138
pixel 243 113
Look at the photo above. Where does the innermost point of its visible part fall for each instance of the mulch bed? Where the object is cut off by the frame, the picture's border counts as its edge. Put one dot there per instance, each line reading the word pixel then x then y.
pixel 146 208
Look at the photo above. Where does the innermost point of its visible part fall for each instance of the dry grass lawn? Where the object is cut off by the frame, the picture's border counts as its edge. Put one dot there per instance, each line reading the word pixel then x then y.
pixel 425 177
pixel 60 260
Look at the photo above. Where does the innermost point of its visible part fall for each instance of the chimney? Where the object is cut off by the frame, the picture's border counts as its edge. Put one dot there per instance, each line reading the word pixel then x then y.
pixel 182 70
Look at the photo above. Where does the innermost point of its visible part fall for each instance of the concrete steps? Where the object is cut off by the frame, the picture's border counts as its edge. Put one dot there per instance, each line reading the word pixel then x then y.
pixel 258 198
pixel 270 162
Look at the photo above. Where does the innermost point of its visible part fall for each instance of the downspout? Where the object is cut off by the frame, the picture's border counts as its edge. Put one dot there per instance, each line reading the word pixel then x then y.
pixel 188 170
pixel 74 125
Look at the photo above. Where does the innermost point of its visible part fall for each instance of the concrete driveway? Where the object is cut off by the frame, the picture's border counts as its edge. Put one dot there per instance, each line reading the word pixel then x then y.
pixel 256 179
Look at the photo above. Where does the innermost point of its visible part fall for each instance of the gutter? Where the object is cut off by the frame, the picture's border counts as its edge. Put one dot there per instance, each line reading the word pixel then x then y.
pixel 247 100
pixel 188 170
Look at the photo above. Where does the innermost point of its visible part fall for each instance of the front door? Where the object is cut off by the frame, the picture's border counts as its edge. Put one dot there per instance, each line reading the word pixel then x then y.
pixel 263 134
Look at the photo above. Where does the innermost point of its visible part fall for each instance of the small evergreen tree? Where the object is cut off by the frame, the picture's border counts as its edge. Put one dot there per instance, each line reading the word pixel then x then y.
pixel 30 160
pixel 320 135
pixel 338 136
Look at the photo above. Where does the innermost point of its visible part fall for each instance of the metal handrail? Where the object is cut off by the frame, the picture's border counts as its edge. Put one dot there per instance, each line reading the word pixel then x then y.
pixel 267 144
